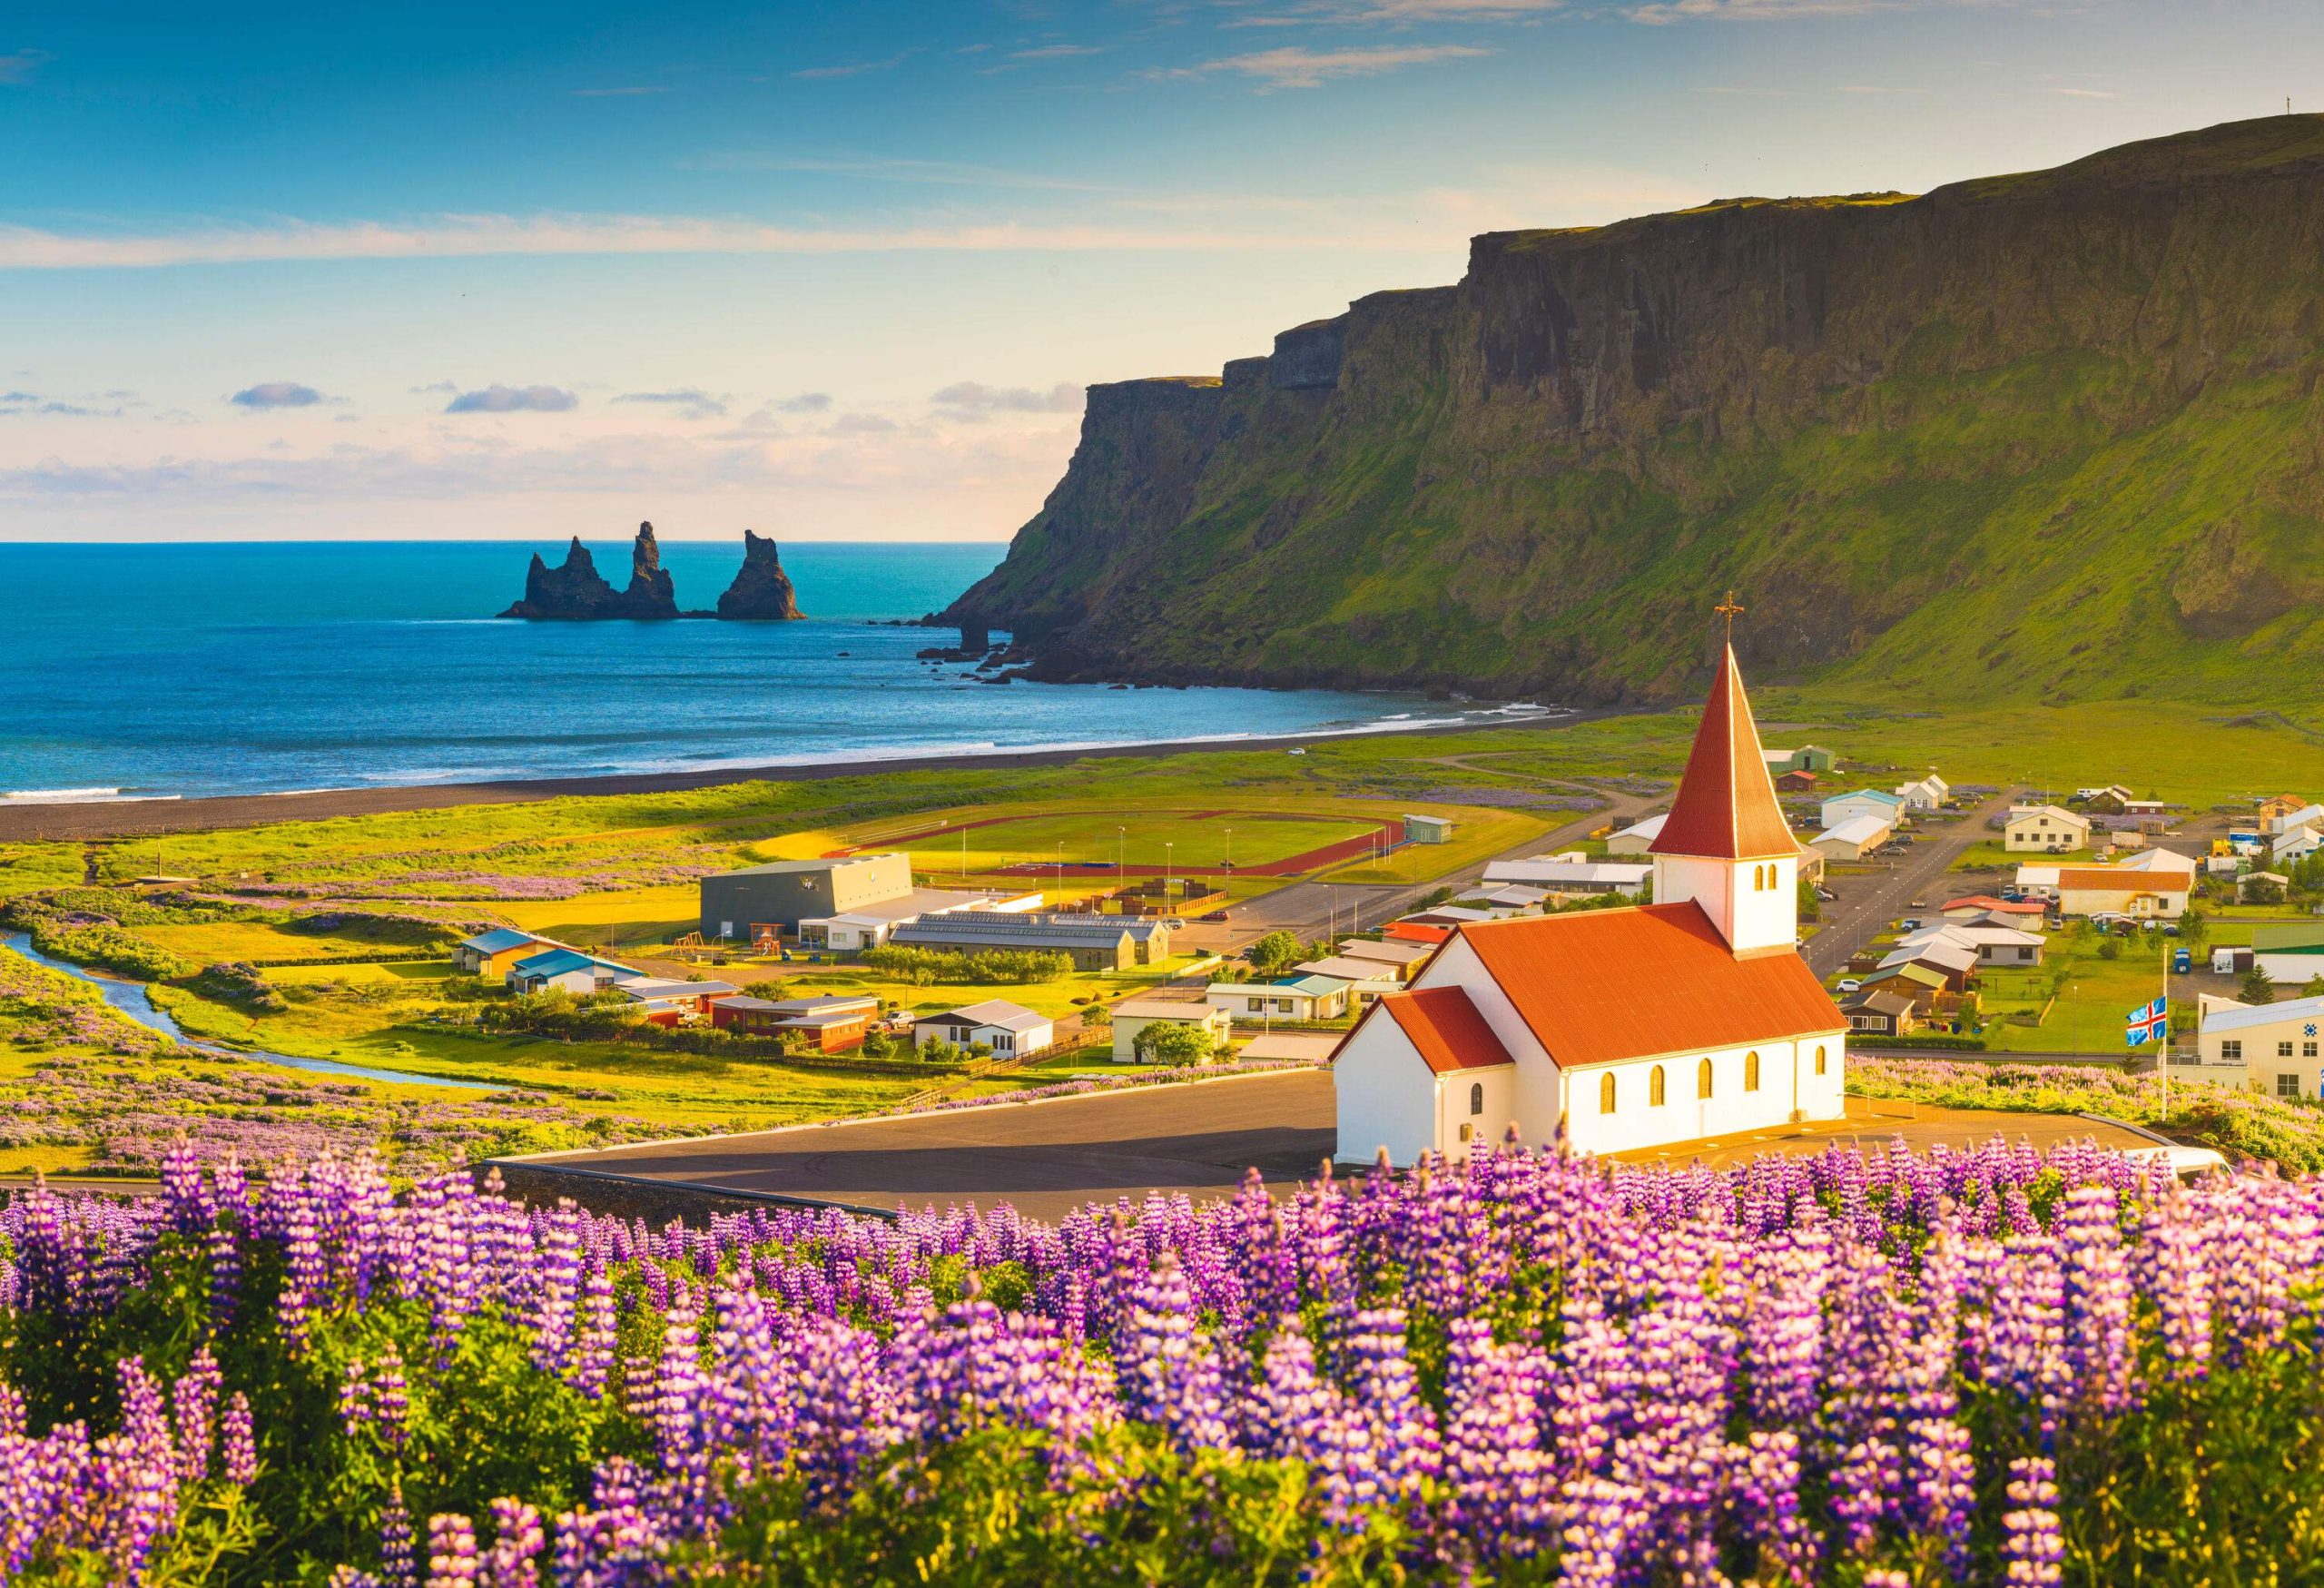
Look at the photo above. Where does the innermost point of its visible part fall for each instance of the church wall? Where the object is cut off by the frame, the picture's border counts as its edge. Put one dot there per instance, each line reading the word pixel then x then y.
pixel 1749 917
pixel 1684 1116
pixel 1386 1095
pixel 1534 1100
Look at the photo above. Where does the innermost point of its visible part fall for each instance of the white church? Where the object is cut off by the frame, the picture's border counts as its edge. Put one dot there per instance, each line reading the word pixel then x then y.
pixel 1689 1017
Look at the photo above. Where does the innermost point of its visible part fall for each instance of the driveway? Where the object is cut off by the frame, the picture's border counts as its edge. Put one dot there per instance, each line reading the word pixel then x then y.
pixel 1866 903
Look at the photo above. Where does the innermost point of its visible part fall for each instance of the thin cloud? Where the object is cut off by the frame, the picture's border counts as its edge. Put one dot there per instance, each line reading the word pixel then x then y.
pixel 1665 12
pixel 627 90
pixel 853 68
pixel 479 236
pixel 1055 52
pixel 1401 11
pixel 18 67
pixel 806 402
pixel 974 399
pixel 879 168
pixel 690 403
pixel 861 424
pixel 17 404
pixel 499 399
pixel 1296 67
pixel 2086 94
pixel 276 394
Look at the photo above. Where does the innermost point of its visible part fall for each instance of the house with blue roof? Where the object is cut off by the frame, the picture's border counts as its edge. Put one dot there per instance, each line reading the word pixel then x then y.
pixel 568 970
pixel 1306 997
pixel 489 955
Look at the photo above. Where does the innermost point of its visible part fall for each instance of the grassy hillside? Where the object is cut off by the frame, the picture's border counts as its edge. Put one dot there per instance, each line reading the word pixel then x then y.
pixel 2037 438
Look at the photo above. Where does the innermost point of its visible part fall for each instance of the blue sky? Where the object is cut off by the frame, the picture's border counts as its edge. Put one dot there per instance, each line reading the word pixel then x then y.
pixel 839 272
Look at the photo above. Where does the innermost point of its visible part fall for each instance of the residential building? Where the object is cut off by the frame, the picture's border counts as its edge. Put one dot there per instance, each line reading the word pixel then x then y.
pixel 1923 984
pixel 1636 839
pixel 1427 933
pixel 2276 1043
pixel 1972 906
pixel 1955 963
pixel 1428 829
pixel 2254 887
pixel 2296 846
pixel 2123 890
pixel 1571 876
pixel 2049 829
pixel 1795 782
pixel 1293 998
pixel 489 955
pixel 1400 958
pixel 2290 952
pixel 831 1024
pixel 784 893
pixel 1134 1015
pixel 2038 880
pixel 2107 796
pixel 2281 806
pixel 668 1001
pixel 1852 839
pixel 1009 1030
pixel 1881 1013
pixel 1806 758
pixel 1365 979
pixel 1927 794
pixel 1633 1027
pixel 2004 946
pixel 1888 808
pixel 566 969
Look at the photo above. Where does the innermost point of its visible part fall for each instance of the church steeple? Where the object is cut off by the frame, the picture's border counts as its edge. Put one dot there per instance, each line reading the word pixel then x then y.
pixel 1726 844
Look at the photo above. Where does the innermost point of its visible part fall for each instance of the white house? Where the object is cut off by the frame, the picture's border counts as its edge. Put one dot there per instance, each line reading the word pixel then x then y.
pixel 1634 1028
pixel 1558 873
pixel 1134 1015
pixel 2050 829
pixel 2296 846
pixel 2114 792
pixel 566 970
pixel 1852 839
pixel 2121 890
pixel 2158 859
pixel 1287 998
pixel 1863 802
pixel 1401 957
pixel 1929 794
pixel 2038 880
pixel 2276 1043
pixel 1993 945
pixel 1007 1028
pixel 1365 979
pixel 1638 838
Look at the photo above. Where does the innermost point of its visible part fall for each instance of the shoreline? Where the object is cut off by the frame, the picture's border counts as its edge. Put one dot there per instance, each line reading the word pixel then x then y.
pixel 100 820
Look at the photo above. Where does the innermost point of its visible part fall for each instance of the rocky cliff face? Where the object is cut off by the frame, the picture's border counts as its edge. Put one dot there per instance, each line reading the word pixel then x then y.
pixel 760 590
pixel 2047 435
pixel 576 590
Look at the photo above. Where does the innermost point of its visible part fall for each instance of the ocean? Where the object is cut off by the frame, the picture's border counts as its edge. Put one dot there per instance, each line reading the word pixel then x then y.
pixel 175 671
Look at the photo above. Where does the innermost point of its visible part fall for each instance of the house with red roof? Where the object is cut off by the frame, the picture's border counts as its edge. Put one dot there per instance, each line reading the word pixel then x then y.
pixel 1656 1024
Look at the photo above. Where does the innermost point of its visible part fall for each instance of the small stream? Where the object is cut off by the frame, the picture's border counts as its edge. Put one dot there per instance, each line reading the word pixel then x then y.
pixel 135 1001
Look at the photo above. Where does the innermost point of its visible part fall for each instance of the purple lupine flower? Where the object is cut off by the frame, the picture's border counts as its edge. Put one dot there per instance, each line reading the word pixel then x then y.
pixel 238 1442
pixel 2031 1543
pixel 451 1552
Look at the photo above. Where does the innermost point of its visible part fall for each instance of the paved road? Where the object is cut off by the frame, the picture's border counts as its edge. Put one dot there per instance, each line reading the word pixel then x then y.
pixel 1868 903
pixel 1047 1159
pixel 1044 1158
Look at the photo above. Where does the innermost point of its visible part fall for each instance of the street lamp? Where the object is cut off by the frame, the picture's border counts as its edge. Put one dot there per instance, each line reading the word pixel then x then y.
pixel 1168 864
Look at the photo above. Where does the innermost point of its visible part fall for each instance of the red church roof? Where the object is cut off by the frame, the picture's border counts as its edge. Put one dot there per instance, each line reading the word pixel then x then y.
pixel 1602 985
pixel 1726 805
pixel 1445 1028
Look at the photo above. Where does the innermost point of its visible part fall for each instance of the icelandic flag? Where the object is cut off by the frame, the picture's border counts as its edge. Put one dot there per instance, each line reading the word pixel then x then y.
pixel 2150 1023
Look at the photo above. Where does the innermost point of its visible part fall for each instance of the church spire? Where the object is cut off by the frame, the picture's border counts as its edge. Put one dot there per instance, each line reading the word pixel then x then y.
pixel 1726 805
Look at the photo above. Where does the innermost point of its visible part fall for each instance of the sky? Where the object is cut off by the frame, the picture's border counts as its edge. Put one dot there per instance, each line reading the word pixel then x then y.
pixel 841 272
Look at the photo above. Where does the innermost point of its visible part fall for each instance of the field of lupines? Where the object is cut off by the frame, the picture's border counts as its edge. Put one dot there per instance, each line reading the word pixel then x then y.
pixel 1988 1366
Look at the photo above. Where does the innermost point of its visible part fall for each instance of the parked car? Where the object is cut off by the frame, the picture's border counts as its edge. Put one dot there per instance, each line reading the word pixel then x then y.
pixel 1850 984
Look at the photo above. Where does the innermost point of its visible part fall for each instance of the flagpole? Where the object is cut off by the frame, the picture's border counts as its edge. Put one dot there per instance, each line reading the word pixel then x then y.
pixel 2166 1028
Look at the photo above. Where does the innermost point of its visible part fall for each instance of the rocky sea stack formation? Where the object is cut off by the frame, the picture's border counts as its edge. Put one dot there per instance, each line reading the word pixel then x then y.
pixel 2046 437
pixel 761 590
pixel 576 590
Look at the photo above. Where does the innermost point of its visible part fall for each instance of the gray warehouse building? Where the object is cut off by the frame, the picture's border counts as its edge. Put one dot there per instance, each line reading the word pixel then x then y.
pixel 784 892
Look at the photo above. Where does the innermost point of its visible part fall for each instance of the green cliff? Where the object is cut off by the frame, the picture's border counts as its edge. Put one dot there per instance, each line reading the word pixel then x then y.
pixel 2048 436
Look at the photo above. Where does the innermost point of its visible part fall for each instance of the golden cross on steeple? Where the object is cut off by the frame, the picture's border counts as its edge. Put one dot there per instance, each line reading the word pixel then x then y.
pixel 1729 611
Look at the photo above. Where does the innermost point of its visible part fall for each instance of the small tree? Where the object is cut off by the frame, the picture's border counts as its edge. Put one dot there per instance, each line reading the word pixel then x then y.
pixel 1097 1016
pixel 1175 1043
pixel 2191 925
pixel 2257 988
pixel 1811 904
pixel 2112 948
pixel 1273 952
pixel 2315 987
pixel 875 1044
pixel 773 992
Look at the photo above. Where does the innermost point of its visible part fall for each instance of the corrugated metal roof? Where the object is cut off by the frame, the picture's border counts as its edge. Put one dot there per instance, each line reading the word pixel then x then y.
pixel 1603 985
pixel 1726 804
pixel 2216 1018
pixel 1857 830
pixel 2116 879
pixel 997 1013
pixel 499 940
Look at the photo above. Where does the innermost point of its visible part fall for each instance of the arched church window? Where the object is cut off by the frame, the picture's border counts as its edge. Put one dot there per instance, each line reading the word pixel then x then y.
pixel 1702 1078
pixel 1751 1071
pixel 1820 1059
pixel 1477 1097
pixel 1606 1093
pixel 1654 1087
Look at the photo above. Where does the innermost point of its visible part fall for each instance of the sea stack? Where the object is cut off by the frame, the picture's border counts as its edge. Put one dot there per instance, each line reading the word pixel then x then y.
pixel 761 590
pixel 576 590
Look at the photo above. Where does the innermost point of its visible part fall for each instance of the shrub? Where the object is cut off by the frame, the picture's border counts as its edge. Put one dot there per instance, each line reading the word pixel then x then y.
pixel 923 967
pixel 1171 1042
